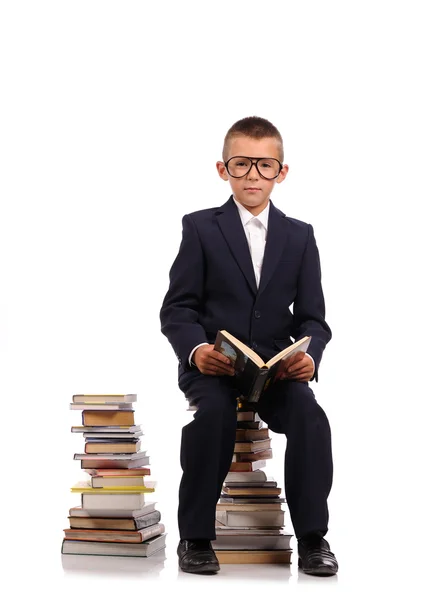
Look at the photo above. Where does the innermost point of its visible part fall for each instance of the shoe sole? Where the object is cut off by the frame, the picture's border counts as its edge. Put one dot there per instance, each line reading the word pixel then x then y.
pixel 204 569
pixel 321 571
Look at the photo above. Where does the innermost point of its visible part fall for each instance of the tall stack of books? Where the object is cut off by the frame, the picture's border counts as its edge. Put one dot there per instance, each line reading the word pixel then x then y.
pixel 113 519
pixel 249 514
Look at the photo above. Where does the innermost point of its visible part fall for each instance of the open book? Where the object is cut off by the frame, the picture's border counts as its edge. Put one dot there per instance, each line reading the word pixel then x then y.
pixel 252 373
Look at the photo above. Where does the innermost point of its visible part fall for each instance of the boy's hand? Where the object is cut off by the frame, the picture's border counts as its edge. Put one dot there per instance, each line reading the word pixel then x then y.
pixel 299 367
pixel 211 362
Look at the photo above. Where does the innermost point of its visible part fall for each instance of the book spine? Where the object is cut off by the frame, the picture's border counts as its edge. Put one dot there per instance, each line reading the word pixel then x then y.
pixel 150 519
pixel 104 464
pixel 258 386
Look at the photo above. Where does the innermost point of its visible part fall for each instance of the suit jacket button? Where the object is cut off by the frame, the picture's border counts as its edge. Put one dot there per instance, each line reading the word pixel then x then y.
pixel 257 314
pixel 254 345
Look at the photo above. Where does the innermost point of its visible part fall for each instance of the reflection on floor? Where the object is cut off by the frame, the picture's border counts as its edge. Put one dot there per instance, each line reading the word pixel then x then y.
pixel 164 566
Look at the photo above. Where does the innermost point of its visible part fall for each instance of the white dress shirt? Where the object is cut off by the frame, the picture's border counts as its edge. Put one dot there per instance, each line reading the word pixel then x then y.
pixel 255 228
pixel 256 232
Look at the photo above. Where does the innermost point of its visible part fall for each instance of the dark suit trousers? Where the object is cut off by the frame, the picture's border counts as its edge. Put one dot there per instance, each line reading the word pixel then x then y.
pixel 207 447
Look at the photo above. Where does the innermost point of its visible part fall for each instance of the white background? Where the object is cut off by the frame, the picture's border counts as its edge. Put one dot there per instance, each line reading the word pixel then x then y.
pixel 112 119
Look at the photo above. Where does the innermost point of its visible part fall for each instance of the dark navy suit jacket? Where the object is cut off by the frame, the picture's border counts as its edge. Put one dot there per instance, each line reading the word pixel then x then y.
pixel 212 286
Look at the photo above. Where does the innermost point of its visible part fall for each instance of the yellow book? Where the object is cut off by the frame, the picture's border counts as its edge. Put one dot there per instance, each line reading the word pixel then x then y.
pixel 84 487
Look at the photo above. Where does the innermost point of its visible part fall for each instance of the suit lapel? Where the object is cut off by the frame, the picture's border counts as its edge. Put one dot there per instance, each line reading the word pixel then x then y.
pixel 234 234
pixel 276 239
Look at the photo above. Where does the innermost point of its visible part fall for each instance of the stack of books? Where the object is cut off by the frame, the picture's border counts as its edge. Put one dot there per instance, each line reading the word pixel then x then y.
pixel 249 514
pixel 113 519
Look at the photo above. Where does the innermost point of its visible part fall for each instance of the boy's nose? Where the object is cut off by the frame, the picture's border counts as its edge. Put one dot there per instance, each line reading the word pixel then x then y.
pixel 254 173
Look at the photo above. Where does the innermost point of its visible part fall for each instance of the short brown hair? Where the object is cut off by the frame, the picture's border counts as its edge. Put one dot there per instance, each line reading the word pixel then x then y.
pixel 254 127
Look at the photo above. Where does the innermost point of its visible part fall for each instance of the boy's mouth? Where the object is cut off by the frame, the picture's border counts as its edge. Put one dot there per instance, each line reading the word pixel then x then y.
pixel 252 189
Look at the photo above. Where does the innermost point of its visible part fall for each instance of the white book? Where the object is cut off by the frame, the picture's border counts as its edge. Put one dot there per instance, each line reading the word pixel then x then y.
pixel 109 455
pixel 117 513
pixel 93 435
pixel 246 476
pixel 268 518
pixel 223 530
pixel 106 428
pixel 90 406
pixel 247 528
pixel 116 482
pixel 115 535
pixel 114 501
pixel 267 541
pixel 104 398
pixel 143 549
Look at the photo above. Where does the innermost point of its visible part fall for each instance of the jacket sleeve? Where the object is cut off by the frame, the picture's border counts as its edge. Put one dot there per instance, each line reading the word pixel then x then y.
pixel 179 314
pixel 309 305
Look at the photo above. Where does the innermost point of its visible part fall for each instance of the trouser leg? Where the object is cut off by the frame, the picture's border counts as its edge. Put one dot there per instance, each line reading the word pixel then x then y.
pixel 206 453
pixel 291 408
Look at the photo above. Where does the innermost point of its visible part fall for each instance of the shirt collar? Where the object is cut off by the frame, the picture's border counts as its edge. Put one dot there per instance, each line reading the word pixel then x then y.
pixel 246 215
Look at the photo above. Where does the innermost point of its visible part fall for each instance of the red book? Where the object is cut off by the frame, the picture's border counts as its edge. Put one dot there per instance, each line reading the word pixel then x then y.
pixel 118 472
pixel 248 466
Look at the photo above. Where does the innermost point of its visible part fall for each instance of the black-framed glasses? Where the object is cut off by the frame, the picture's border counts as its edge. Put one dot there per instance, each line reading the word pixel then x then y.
pixel 239 166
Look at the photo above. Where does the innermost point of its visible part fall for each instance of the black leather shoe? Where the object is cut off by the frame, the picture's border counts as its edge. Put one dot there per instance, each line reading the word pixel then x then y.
pixel 197 556
pixel 315 557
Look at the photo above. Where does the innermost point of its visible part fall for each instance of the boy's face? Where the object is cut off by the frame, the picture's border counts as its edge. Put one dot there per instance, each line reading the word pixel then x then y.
pixel 252 190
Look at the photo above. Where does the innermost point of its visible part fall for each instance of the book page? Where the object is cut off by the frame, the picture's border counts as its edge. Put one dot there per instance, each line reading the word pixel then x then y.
pixel 245 349
pixel 299 346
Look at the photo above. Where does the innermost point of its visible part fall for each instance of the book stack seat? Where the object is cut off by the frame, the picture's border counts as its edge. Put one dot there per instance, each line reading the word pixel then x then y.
pixel 114 517
pixel 249 513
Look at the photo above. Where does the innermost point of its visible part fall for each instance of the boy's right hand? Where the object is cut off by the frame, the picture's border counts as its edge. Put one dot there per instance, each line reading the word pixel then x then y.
pixel 211 362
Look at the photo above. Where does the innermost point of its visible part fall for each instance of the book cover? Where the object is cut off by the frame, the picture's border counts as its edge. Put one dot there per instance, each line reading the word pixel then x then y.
pixel 263 541
pixel 251 506
pixel 118 513
pixel 108 417
pixel 257 518
pixel 117 482
pixel 145 549
pixel 248 499
pixel 256 425
pixel 119 472
pixel 115 535
pixel 110 463
pixel 91 406
pixel 111 437
pixel 107 429
pixel 110 456
pixel 85 487
pixel 252 445
pixel 248 490
pixel 248 483
pixel 249 420
pixel 108 500
pixel 250 435
pixel 248 466
pixel 258 477
pixel 254 556
pixel 125 524
pixel 259 455
pixel 118 447
pixel 224 530
pixel 104 398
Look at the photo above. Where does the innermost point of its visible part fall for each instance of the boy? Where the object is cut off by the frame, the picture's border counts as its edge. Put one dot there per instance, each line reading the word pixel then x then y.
pixel 240 267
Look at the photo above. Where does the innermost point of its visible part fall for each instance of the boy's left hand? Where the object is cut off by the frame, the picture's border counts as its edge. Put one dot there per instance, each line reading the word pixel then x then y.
pixel 299 367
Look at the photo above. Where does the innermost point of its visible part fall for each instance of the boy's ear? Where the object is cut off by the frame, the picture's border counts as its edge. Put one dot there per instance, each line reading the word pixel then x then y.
pixel 283 174
pixel 222 170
